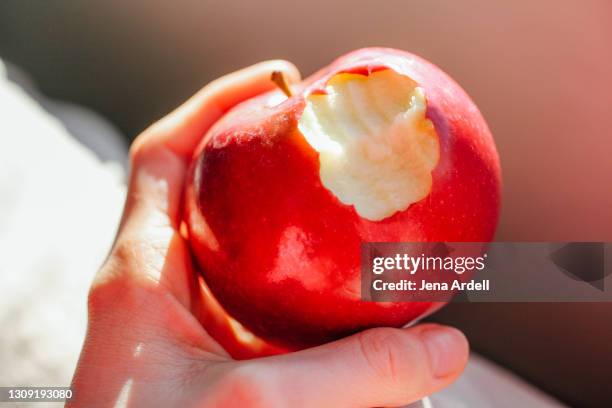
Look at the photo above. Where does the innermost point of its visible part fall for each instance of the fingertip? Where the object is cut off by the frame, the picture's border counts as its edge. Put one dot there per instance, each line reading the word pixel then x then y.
pixel 447 350
pixel 183 129
pixel 292 73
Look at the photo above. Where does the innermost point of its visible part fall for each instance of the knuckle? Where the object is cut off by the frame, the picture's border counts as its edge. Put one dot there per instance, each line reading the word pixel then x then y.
pixel 389 353
pixel 117 281
pixel 136 147
pixel 147 140
pixel 103 295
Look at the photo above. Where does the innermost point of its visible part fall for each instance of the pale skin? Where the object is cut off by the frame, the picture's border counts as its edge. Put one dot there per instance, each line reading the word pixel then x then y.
pixel 145 348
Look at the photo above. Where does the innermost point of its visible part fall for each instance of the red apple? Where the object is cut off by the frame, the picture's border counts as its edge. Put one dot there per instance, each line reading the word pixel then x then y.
pixel 381 146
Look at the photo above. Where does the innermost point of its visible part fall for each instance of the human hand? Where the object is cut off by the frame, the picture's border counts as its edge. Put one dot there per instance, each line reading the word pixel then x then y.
pixel 146 347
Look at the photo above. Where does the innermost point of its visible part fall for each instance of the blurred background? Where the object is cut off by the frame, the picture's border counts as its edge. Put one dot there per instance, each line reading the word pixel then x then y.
pixel 540 71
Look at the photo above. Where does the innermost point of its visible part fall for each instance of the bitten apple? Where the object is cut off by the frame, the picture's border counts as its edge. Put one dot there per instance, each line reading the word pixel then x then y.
pixel 380 146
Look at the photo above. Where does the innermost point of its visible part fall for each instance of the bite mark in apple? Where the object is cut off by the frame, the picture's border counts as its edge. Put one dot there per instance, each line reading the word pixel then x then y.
pixel 377 149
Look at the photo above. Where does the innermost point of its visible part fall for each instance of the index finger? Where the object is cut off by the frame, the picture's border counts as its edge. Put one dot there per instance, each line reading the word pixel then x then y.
pixel 160 155
pixel 183 129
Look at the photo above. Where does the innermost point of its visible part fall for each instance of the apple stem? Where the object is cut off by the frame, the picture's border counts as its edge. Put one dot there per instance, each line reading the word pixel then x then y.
pixel 279 79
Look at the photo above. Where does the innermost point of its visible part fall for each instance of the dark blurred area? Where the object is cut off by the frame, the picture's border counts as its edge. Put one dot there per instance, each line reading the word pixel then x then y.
pixel 540 72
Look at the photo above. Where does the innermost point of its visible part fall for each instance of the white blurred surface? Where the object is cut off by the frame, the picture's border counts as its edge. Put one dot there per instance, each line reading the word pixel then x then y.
pixel 59 207
pixel 484 384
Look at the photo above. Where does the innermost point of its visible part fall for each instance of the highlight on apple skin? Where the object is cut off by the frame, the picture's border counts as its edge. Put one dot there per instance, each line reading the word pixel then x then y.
pixel 380 146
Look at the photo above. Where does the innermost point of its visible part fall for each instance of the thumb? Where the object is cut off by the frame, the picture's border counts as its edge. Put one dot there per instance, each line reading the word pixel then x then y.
pixel 378 367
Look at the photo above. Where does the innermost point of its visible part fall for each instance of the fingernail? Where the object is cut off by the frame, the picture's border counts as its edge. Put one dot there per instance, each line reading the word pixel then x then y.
pixel 447 348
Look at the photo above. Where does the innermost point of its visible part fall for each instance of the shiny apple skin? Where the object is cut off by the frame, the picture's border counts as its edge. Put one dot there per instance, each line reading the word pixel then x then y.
pixel 281 253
